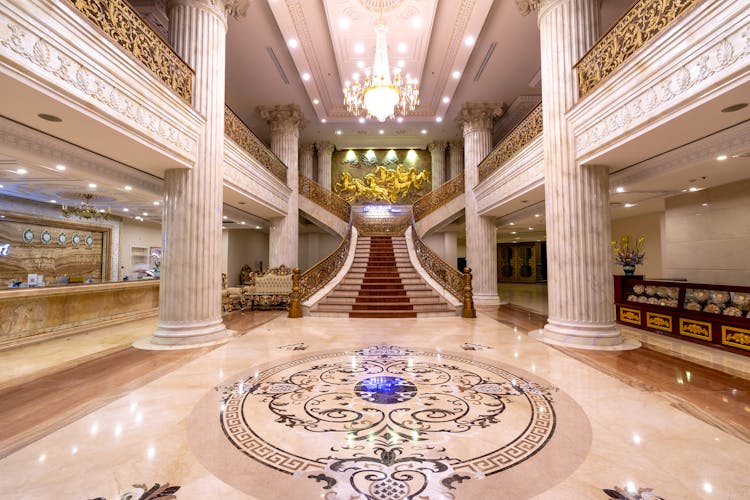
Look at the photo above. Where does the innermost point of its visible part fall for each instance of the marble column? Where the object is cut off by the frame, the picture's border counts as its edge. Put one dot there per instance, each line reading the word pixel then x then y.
pixel 481 238
pixel 437 155
pixel 325 154
pixel 581 311
pixel 456 158
pixel 306 160
pixel 190 286
pixel 285 122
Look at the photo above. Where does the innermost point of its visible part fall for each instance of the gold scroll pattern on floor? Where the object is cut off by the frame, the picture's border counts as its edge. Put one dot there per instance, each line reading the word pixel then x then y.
pixel 387 185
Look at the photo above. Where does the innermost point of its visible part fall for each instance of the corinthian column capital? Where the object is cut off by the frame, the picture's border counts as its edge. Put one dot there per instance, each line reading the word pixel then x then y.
pixel 283 117
pixel 526 7
pixel 479 115
pixel 325 148
pixel 221 8
pixel 437 146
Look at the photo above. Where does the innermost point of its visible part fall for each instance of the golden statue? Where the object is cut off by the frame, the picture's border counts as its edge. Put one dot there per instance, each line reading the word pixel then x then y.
pixel 384 184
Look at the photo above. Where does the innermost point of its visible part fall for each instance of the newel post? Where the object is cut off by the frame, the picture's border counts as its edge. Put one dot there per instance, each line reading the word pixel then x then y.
pixel 468 310
pixel 295 306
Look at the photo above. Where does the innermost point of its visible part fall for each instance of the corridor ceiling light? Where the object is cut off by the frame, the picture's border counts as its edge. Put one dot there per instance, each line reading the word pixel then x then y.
pixel 128 188
pixel 338 132
pixel 511 223
pixel 439 119
pixel 156 203
pixel 693 189
pixel 258 227
pixel 323 120
pixel 531 229
pixel 537 215
pixel 416 22
pixel 401 64
pixel 306 76
pixel 359 48
pixel 316 101
pixel 401 47
pixel 126 210
pixel 60 168
pixel 92 185
pixel 446 99
pixel 456 75
pixel 85 210
pixel 344 23
pixel 243 223
pixel 292 43
pixel 53 201
pixel 381 95
pixel 225 217
pixel 620 189
pixel 469 40
pixel 21 171
pixel 381 131
pixel 628 205
pixel 721 157
pixel 424 131
pixel 145 214
pixel 514 232
pixel 360 64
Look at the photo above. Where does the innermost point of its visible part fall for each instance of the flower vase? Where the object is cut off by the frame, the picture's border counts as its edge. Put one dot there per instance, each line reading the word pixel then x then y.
pixel 628 269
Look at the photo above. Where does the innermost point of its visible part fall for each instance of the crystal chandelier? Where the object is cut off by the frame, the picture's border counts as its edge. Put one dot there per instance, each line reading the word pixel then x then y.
pixel 380 95
pixel 85 210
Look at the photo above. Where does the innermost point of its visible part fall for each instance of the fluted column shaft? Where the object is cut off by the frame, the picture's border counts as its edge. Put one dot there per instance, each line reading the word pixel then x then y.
pixel 306 160
pixel 437 155
pixel 576 196
pixel 285 122
pixel 481 238
pixel 456 159
pixel 190 287
pixel 325 154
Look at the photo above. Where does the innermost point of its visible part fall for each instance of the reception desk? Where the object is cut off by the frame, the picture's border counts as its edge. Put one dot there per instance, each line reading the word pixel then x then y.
pixel 35 314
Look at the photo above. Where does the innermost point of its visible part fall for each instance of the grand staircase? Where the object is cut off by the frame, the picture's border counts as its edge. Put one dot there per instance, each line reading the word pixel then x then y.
pixel 382 283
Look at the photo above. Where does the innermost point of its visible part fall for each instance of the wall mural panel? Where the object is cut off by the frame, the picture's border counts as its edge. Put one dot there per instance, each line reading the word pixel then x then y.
pixel 387 176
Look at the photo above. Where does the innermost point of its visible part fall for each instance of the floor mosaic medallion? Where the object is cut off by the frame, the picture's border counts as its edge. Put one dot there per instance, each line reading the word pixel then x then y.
pixel 384 422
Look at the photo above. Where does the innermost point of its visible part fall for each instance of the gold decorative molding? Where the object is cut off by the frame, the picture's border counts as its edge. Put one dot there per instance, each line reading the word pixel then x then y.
pixel 438 197
pixel 632 316
pixel 644 20
pixel 515 141
pixel 237 131
pixel 120 22
pixel 696 329
pixel 321 273
pixel 735 337
pixel 661 322
pixel 325 198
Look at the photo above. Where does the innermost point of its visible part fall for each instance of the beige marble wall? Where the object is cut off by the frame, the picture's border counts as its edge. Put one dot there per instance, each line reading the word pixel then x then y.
pixel 707 235
pixel 141 234
pixel 650 226
pixel 314 247
pixel 245 246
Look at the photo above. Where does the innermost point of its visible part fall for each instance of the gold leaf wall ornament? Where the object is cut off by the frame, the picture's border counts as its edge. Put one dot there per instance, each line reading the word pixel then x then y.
pixel 644 20
pixel 388 185
pixel 515 141
pixel 325 198
pixel 123 25
pixel 236 130
pixel 438 197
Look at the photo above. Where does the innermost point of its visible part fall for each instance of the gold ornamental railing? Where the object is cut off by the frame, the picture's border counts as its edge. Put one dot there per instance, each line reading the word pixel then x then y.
pixel 244 138
pixel 438 197
pixel 321 273
pixel 123 24
pixel 644 20
pixel 325 198
pixel 456 283
pixel 381 226
pixel 515 141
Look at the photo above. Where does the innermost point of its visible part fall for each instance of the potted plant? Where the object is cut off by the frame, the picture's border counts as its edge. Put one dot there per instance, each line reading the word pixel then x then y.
pixel 629 252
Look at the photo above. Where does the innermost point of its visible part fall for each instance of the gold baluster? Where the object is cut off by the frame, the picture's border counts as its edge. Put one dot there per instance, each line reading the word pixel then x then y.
pixel 468 310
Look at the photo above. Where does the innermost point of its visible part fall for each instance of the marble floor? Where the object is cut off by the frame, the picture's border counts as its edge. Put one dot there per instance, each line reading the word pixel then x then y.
pixel 376 408
pixel 531 296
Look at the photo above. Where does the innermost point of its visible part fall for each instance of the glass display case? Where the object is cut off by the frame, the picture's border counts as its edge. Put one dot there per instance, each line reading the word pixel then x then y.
pixel 717 315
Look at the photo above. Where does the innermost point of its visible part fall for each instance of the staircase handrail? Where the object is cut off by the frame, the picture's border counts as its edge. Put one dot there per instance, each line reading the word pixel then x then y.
pixel 321 273
pixel 438 197
pixel 375 226
pixel 326 198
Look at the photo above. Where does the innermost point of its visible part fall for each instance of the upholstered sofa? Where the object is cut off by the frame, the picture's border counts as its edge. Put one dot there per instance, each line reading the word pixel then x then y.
pixel 270 289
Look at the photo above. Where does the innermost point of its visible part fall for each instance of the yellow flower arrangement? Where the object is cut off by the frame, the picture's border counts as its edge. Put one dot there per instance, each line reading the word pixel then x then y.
pixel 629 251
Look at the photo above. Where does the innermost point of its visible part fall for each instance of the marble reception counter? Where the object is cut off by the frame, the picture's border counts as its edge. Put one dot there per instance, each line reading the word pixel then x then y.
pixel 34 314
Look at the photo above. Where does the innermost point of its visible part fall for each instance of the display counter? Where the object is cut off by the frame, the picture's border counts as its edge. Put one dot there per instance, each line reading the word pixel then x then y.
pixel 39 313
pixel 715 315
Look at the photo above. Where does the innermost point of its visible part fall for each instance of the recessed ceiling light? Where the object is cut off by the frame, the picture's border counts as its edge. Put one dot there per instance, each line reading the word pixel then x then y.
pixel 60 168
pixel 531 229
pixel 323 120
pixel 361 119
pixel 49 118
pixel 628 205
pixel 92 185
pixel 704 204
pixel 360 64
pixel 693 189
pixel 381 131
pixel 424 131
pixel 355 76
pixel 306 76
pixel 620 189
pixel 21 171
pixel 734 107
pixel 511 223
pixel 316 101
pixel 225 217
pixel 438 119
pixel 537 215
pixel 456 75
pixel 292 43
pixel 401 47
pixel 416 22
pixel 257 227
pixel 53 201
pixel 514 232
pixel 344 23
pixel 446 99
pixel 156 203
pixel 721 157
pixel 128 188
pixel 359 48
pixel 126 210
pixel 243 222
pixel 1 186
pixel 401 64
pixel 400 119
pixel 469 40
pixel 145 214
pixel 338 132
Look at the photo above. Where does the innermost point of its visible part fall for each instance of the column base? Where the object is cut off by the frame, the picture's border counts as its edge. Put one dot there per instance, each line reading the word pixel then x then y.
pixel 602 336
pixel 486 299
pixel 187 335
